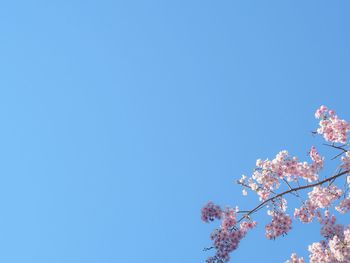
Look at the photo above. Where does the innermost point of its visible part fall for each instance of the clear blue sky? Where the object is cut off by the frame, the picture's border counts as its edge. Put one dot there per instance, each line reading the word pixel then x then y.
pixel 120 119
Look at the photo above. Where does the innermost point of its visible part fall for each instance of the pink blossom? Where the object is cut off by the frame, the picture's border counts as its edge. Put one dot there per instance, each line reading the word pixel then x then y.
pixel 229 218
pixel 268 174
pixel 321 112
pixel 227 240
pixel 306 213
pixel 329 227
pixel 320 253
pixel 323 197
pixel 211 211
pixel 284 175
pixel 247 225
pixel 346 161
pixel 332 127
pixel 281 223
pixel 318 160
pixel 340 247
pixel 335 249
pixel 295 259
pixel 344 206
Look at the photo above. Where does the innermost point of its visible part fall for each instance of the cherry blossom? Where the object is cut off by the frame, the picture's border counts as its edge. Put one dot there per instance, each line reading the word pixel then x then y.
pixel 307 212
pixel 286 176
pixel 346 161
pixel 229 218
pixel 281 223
pixel 211 211
pixel 320 253
pixel 226 240
pixel 344 206
pixel 332 127
pixel 323 197
pixel 268 174
pixel 295 259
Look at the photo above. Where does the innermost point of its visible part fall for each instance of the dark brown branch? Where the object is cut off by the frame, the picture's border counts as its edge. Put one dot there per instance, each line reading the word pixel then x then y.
pixel 339 154
pixel 290 191
pixel 290 187
pixel 337 147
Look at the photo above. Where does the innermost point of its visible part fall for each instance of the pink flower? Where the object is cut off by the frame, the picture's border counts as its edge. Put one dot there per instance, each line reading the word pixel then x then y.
pixel 280 225
pixel 295 259
pixel 226 241
pixel 346 163
pixel 344 206
pixel 332 127
pixel 284 175
pixel 321 112
pixel 323 197
pixel 229 218
pixel 211 211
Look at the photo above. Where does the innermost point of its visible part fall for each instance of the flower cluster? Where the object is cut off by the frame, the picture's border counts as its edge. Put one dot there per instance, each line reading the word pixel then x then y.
pixel 316 158
pixel 346 161
pixel 332 127
pixel 307 212
pixel 319 197
pixel 320 253
pixel 344 206
pixel 281 223
pixel 336 246
pixel 211 211
pixel 247 225
pixel 323 197
pixel 295 259
pixel 268 174
pixel 340 247
pixel 329 227
pixel 229 218
pixel 227 237
pixel 225 241
pixel 333 250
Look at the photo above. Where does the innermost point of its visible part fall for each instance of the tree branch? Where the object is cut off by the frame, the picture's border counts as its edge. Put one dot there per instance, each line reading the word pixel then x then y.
pixel 290 191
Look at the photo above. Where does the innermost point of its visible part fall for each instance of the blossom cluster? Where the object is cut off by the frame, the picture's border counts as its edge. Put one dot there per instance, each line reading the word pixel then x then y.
pixel 336 247
pixel 319 197
pixel 346 161
pixel 329 227
pixel 229 218
pixel 307 212
pixel 211 211
pixel 228 236
pixel 226 240
pixel 281 223
pixel 323 197
pixel 341 247
pixel 344 206
pixel 320 253
pixel 295 259
pixel 332 127
pixel 269 175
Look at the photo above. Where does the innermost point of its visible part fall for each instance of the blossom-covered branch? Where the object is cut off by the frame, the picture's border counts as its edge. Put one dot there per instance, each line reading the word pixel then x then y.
pixel 290 191
pixel 269 176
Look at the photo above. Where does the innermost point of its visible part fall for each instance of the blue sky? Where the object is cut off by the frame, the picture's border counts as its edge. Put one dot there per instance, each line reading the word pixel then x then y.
pixel 120 119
